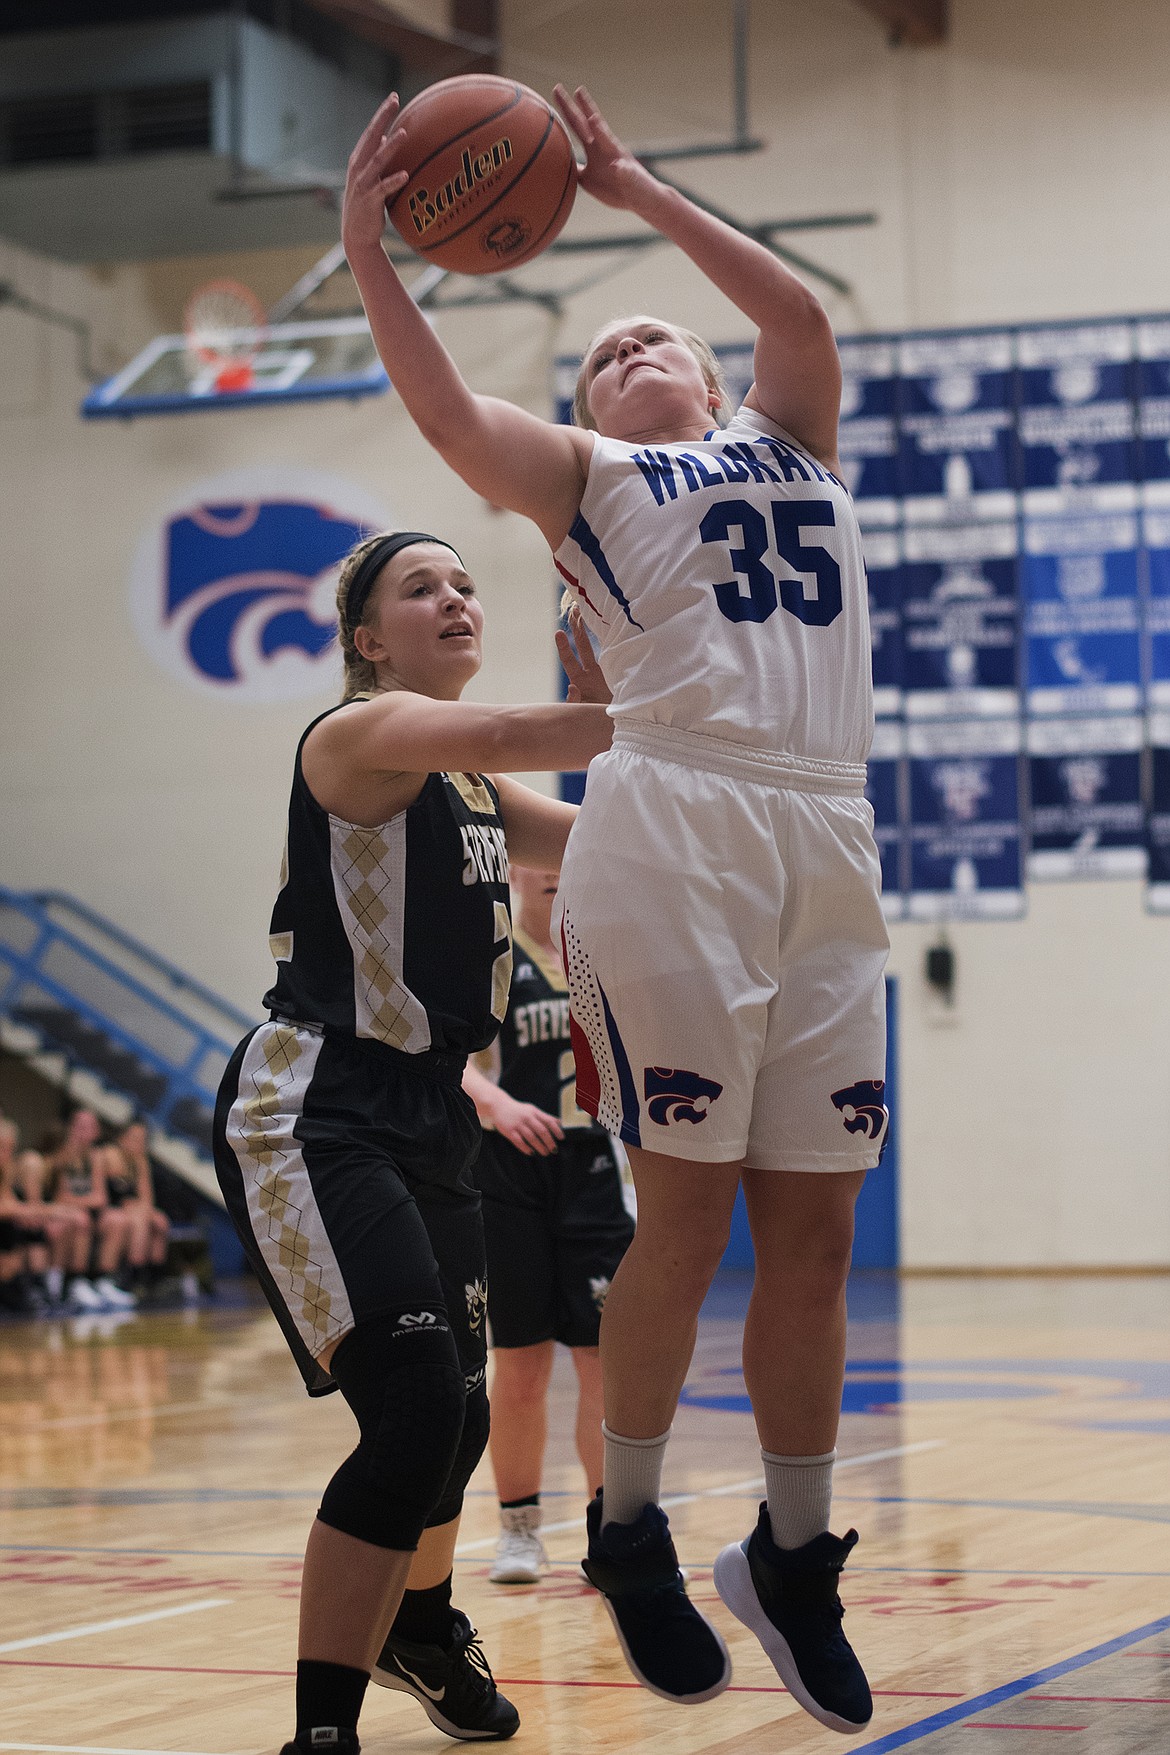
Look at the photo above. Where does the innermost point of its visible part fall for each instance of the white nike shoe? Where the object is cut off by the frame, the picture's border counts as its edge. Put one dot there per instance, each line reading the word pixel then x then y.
pixel 520 1556
pixel 112 1295
pixel 84 1295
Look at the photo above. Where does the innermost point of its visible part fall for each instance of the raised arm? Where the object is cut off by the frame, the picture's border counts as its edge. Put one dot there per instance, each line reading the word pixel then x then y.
pixel 511 457
pixel 797 371
pixel 368 763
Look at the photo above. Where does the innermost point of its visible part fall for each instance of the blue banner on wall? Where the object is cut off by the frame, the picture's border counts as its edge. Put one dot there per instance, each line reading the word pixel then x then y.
pixel 883 555
pixel 961 621
pixel 1076 419
pixel 1158 815
pixel 1087 819
pixel 1156 531
pixel 966 859
pixel 1082 614
pixel 1154 409
pixel 868 436
pixel 957 426
pixel 883 788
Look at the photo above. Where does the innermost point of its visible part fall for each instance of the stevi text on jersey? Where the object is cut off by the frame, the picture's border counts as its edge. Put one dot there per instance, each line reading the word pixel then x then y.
pixel 544 1020
pixel 485 854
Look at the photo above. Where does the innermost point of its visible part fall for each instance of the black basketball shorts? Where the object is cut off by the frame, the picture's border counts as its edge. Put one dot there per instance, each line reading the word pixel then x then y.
pixel 345 1166
pixel 556 1229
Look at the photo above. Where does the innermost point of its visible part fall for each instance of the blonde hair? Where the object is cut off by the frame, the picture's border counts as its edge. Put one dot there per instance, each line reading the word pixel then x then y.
pixel 360 677
pixel 712 371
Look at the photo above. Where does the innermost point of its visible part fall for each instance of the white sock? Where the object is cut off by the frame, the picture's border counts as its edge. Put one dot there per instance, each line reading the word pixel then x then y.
pixel 799 1491
pixel 631 1475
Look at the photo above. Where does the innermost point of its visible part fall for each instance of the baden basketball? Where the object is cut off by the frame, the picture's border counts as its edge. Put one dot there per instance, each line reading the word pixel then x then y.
pixel 492 174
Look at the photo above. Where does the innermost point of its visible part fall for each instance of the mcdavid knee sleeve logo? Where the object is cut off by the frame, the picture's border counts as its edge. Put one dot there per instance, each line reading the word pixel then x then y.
pixel 862 1109
pixel 675 1095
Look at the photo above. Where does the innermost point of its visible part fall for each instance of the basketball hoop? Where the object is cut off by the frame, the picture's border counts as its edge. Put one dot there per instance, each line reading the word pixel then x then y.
pixel 224 328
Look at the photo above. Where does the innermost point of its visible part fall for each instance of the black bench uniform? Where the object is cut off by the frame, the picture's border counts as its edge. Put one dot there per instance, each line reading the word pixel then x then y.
pixel 556 1227
pixel 343 1138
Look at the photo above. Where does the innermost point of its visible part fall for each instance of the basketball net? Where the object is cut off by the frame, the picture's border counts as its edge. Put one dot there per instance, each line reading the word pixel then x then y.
pixel 224 328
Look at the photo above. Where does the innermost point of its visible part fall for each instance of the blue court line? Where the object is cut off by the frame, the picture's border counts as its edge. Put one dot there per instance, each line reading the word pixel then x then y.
pixel 1079 1507
pixel 951 1715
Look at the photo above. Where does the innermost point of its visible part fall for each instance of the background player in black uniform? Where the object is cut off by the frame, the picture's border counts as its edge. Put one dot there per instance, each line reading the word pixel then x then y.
pixel 343 1138
pixel 555 1224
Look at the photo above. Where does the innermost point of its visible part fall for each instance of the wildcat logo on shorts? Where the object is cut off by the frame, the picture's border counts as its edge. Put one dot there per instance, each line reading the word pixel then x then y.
pixel 233 587
pixel 862 1109
pixel 476 1304
pixel 675 1095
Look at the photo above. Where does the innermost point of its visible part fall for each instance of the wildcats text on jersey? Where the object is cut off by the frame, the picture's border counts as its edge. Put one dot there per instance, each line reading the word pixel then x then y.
pixel 739 462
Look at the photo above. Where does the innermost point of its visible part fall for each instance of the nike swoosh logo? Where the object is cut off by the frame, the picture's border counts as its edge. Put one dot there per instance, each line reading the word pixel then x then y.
pixel 435 1694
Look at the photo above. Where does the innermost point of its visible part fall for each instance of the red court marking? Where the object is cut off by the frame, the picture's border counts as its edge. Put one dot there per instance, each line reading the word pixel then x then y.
pixel 1107 1699
pixel 503 1681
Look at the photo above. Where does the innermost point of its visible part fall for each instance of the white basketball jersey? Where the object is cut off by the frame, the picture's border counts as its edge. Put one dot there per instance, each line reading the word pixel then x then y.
pixel 724 582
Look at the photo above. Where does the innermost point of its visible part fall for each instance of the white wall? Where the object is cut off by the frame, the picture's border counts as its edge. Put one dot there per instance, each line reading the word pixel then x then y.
pixel 1018 172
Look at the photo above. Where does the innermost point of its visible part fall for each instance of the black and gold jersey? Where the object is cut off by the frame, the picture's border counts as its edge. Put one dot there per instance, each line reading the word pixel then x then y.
pixel 399 933
pixel 533 1059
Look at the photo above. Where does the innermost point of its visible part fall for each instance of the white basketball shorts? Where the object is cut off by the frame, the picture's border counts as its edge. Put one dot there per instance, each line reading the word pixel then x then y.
pixel 720 920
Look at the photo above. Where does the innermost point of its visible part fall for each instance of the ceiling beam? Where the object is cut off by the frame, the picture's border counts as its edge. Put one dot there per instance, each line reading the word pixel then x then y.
pixel 469 45
pixel 919 22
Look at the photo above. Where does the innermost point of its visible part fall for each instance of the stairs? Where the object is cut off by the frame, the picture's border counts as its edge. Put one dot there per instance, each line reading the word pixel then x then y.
pixel 115 1025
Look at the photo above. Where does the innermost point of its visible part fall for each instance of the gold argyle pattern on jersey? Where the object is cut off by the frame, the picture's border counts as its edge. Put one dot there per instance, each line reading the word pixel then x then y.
pixel 269 1143
pixel 368 872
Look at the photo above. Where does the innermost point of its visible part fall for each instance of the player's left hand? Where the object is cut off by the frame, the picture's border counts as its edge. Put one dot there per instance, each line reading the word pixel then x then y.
pixel 611 173
pixel 579 662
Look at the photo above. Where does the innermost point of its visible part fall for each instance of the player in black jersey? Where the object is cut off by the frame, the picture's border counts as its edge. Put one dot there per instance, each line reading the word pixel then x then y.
pixel 555 1223
pixel 343 1139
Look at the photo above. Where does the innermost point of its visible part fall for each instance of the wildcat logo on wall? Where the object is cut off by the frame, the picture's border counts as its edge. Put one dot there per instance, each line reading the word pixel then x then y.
pixel 233 588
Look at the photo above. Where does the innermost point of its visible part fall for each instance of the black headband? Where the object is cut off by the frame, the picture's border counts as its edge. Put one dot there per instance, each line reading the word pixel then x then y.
pixel 358 590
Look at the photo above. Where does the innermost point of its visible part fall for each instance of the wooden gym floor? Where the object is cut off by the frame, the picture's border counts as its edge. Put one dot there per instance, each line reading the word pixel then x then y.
pixel 1004 1454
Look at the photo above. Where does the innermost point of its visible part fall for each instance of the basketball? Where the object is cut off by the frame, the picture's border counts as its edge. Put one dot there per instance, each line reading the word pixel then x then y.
pixel 492 174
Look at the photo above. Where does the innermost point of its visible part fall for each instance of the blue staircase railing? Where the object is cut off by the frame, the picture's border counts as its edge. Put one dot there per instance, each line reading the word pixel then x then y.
pixel 114 1007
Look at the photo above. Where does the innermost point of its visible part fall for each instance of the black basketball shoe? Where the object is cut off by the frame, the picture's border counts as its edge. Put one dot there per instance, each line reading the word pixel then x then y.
pixel 453 1684
pixel 788 1598
pixel 669 1646
pixel 324 1740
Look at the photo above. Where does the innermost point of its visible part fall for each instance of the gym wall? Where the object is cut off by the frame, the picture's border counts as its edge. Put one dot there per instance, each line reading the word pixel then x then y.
pixel 1018 174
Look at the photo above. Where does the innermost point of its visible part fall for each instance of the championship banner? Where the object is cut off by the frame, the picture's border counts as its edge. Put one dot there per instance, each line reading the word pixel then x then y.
pixel 966 859
pixel 961 621
pixel 883 555
pixel 1158 815
pixel 1153 346
pixel 1156 530
pixel 1085 777
pixel 883 788
pixel 1081 616
pixel 956 427
pixel 868 436
pixel 1077 432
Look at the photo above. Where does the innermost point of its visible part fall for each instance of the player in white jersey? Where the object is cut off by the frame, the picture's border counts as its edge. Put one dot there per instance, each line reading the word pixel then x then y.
pixel 719 908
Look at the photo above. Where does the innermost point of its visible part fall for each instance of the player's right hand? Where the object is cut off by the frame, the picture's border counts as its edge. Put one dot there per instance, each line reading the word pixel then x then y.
pixel 526 1127
pixel 372 179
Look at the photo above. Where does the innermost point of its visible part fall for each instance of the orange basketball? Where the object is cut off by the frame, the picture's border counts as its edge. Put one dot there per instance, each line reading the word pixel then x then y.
pixel 492 174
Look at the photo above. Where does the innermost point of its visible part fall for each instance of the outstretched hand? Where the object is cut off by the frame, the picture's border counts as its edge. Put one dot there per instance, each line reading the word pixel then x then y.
pixel 373 179
pixel 579 662
pixel 611 173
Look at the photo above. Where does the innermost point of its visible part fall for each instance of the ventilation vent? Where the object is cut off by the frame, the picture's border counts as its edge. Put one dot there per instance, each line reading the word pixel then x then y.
pixel 106 125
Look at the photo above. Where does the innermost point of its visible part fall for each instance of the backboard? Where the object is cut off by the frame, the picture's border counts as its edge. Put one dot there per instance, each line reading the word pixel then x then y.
pixel 293 362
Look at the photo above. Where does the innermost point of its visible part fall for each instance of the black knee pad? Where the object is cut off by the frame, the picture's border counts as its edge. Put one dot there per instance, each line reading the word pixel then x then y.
pixel 472 1444
pixel 405 1387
